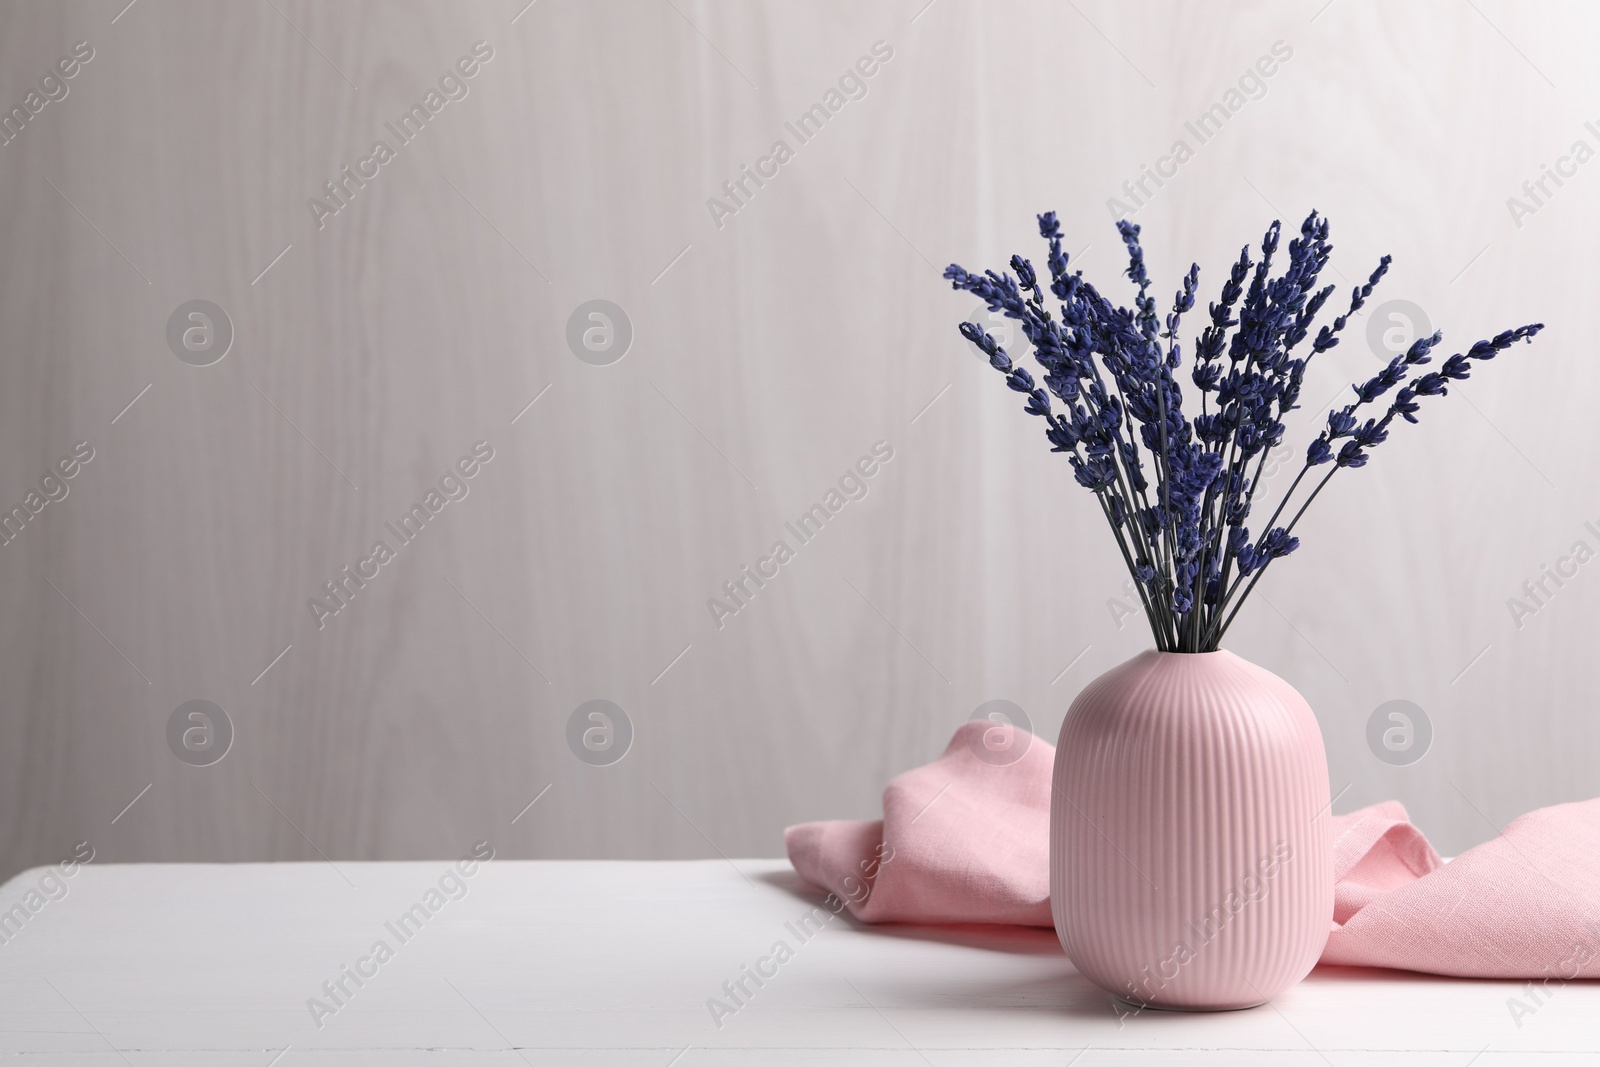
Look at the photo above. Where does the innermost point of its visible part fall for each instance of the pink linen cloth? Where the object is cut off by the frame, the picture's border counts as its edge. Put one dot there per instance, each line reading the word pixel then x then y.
pixel 964 840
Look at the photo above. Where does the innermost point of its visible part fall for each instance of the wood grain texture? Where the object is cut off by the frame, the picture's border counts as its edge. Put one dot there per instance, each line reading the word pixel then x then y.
pixel 765 361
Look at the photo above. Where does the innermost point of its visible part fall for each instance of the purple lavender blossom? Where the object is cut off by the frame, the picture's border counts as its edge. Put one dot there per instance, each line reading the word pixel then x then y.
pixel 1177 492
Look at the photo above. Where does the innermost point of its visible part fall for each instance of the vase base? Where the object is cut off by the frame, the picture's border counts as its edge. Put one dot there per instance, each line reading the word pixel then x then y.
pixel 1137 1007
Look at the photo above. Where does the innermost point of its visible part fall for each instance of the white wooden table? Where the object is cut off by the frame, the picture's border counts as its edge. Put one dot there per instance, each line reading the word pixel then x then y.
pixel 613 963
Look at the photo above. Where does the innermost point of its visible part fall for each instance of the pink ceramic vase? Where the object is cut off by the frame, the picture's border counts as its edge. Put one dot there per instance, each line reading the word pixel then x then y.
pixel 1190 862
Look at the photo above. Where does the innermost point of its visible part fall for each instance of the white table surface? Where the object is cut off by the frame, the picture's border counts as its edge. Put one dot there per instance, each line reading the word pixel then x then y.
pixel 612 963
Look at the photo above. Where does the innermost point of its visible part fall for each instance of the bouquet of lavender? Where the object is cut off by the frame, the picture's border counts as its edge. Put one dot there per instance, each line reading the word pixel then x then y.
pixel 1178 492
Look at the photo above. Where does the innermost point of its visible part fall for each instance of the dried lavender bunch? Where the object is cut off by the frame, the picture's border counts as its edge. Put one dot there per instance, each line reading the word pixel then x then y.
pixel 1177 492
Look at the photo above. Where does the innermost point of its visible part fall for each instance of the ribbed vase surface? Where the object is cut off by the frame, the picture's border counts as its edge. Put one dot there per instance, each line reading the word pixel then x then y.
pixel 1190 862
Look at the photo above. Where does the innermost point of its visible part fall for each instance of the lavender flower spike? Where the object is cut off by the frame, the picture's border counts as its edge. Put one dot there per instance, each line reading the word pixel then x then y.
pixel 1178 491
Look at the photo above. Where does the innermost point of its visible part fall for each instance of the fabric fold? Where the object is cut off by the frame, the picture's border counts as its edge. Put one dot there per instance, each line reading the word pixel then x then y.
pixel 965 839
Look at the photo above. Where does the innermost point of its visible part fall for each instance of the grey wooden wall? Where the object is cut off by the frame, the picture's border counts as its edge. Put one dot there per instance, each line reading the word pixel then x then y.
pixel 776 338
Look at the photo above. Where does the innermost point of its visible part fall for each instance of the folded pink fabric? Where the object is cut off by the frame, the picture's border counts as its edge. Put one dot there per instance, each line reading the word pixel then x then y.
pixel 964 840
